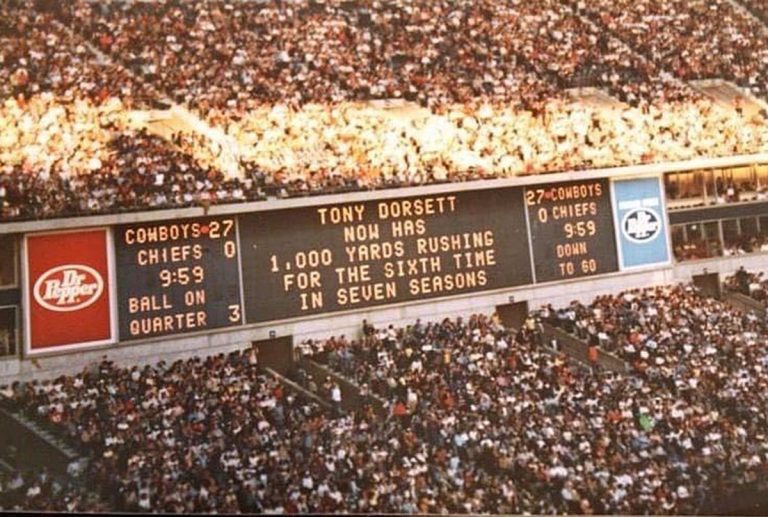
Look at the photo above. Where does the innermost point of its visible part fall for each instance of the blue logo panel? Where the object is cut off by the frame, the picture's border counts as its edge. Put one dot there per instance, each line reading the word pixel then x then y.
pixel 640 222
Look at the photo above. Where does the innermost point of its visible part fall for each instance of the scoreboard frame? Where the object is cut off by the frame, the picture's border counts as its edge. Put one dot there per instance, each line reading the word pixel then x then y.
pixel 247 320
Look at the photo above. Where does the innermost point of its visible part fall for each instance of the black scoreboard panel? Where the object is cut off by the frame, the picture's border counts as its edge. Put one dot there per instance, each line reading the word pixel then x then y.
pixel 177 276
pixel 346 256
pixel 188 275
pixel 572 233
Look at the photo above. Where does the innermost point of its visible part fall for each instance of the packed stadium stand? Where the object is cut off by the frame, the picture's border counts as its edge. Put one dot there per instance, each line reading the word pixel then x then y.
pixel 481 419
pixel 406 257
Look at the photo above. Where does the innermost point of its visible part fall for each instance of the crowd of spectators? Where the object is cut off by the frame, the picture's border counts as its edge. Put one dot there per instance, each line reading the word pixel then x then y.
pixel 216 434
pixel 220 53
pixel 280 77
pixel 685 429
pixel 40 491
pixel 577 52
pixel 289 84
pixel 42 136
pixel 655 327
pixel 202 435
pixel 691 39
pixel 136 171
pixel 481 419
pixel 314 149
pixel 66 147
pixel 38 54
pixel 483 140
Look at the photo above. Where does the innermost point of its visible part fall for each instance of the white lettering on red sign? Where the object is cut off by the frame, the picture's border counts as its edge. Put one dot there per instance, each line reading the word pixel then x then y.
pixel 68 288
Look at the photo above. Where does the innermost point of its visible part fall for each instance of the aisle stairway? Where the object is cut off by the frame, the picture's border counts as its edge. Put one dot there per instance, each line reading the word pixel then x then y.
pixel 36 445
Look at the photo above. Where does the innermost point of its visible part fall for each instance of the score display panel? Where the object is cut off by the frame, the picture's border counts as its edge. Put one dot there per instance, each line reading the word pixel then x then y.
pixel 177 276
pixel 571 229
pixel 190 275
pixel 313 260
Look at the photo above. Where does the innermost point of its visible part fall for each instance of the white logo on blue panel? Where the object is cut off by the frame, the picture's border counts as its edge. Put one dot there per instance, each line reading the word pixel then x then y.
pixel 641 225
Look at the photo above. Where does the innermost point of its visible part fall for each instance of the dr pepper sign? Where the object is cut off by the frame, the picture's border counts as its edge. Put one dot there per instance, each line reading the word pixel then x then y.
pixel 68 290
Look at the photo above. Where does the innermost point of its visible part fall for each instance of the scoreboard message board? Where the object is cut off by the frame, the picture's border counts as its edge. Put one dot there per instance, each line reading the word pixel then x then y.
pixel 191 275
pixel 351 255
pixel 571 229
pixel 178 276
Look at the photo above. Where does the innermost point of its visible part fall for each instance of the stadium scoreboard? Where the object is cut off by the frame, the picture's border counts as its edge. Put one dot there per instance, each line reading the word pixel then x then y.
pixel 176 277
pixel 191 275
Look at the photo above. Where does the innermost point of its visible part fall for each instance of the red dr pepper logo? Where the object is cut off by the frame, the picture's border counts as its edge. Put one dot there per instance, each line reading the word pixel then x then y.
pixel 68 288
